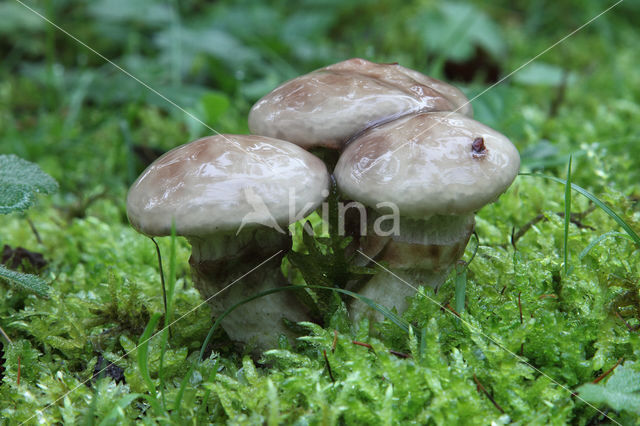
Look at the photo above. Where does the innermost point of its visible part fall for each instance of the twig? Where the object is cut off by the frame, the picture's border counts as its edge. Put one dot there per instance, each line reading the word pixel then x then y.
pixel 34 230
pixel 548 296
pixel 400 354
pixel 335 341
pixel 481 388
pixel 5 336
pixel 366 345
pixel 606 373
pixel 629 326
pixel 79 209
pixel 326 361
pixel 520 308
pixel 453 311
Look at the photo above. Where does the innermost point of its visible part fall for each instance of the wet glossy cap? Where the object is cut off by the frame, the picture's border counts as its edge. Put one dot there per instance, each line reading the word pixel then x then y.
pixel 225 182
pixel 332 104
pixel 406 77
pixel 427 164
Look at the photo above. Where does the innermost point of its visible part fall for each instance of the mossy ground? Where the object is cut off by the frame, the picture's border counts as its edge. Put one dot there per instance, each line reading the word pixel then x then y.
pixel 90 126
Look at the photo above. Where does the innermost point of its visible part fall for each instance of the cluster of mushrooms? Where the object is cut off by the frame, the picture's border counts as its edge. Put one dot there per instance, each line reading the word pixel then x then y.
pixel 405 141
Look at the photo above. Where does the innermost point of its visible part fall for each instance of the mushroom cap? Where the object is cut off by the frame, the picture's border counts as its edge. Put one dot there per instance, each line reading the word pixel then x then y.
pixel 328 106
pixel 427 164
pixel 406 77
pixel 224 182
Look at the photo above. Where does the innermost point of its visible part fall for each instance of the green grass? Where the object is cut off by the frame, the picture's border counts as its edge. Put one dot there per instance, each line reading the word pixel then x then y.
pixel 86 124
pixel 567 216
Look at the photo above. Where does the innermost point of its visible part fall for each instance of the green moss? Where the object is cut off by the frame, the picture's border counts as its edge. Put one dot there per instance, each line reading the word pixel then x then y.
pixel 81 122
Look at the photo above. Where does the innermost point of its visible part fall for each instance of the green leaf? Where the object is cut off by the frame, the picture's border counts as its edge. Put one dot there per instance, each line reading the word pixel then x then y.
pixel 20 180
pixel 25 282
pixel 454 29
pixel 620 392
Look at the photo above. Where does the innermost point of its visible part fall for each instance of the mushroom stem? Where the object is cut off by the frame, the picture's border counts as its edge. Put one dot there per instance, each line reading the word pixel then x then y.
pixel 220 266
pixel 422 254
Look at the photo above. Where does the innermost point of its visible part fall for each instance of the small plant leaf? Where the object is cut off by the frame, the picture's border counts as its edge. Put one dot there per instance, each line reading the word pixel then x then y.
pixel 621 392
pixel 24 282
pixel 20 180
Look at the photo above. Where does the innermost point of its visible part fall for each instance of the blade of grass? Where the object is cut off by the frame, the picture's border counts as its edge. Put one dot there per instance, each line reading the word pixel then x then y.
pixel 597 240
pixel 177 403
pixel 461 287
pixel 143 352
pixel 171 284
pixel 205 398
pixel 404 325
pixel 161 271
pixel 567 217
pixel 154 403
pixel 635 238
pixel 461 279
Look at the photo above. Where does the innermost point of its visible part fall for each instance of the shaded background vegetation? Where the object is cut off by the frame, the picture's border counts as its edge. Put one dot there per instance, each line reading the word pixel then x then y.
pixel 94 129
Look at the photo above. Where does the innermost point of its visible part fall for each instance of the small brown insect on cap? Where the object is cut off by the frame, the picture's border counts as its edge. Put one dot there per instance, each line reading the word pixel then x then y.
pixel 427 164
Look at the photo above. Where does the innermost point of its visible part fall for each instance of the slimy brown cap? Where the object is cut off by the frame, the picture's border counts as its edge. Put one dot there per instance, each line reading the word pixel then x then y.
pixel 438 163
pixel 211 184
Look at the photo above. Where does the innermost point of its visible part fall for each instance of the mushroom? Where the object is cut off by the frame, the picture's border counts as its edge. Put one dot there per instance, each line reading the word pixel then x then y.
pixel 401 76
pixel 434 170
pixel 328 106
pixel 233 197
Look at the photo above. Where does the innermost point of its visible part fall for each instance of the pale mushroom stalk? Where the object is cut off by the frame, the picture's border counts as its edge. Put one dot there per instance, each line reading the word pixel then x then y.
pixel 221 266
pixel 422 254
pixel 232 197
pixel 437 169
